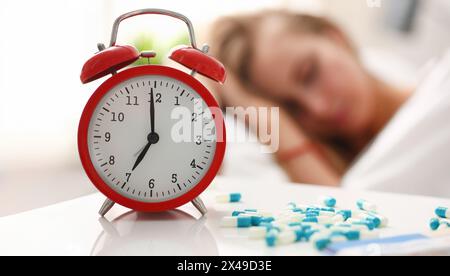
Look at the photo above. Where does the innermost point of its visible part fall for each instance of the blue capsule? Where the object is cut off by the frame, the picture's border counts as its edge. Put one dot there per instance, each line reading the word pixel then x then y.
pixel 237 213
pixel 375 220
pixel 442 212
pixel 346 214
pixel 436 223
pixel 327 201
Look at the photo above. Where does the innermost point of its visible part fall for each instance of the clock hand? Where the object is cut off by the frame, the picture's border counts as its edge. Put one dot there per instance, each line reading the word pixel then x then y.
pixel 142 155
pixel 139 151
pixel 152 112
pixel 152 138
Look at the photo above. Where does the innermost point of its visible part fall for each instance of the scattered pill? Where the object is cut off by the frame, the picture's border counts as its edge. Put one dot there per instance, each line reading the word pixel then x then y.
pixel 326 209
pixel 438 223
pixel 229 198
pixel 366 205
pixel 255 219
pixel 323 240
pixel 318 219
pixel 320 213
pixel 285 237
pixel 442 212
pixel 370 225
pixel 239 222
pixel 345 213
pixel 328 201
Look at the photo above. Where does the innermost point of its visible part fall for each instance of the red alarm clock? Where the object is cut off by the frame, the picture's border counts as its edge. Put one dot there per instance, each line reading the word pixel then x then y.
pixel 151 138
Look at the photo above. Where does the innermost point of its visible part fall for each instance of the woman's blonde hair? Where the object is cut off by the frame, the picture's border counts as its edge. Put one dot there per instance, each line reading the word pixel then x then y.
pixel 233 37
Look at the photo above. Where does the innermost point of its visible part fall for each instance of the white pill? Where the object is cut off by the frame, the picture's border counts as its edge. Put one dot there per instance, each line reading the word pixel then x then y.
pixel 366 205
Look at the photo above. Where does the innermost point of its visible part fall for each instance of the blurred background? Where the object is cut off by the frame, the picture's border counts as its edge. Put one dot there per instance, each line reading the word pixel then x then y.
pixel 43 46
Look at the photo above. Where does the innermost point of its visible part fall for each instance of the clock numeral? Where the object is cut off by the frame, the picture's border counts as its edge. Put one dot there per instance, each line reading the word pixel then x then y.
pixel 177 101
pixel 174 178
pixel 194 117
pixel 198 140
pixel 151 183
pixel 158 97
pixel 193 164
pixel 132 100
pixel 127 176
pixel 107 137
pixel 112 160
pixel 117 117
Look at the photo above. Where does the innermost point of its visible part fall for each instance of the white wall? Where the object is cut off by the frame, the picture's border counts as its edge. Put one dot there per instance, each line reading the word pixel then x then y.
pixel 43 47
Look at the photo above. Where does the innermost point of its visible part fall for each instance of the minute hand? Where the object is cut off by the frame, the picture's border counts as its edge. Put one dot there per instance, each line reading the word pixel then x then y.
pixel 152 112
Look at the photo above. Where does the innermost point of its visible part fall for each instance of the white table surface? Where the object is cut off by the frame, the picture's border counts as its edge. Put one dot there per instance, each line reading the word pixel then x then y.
pixel 74 227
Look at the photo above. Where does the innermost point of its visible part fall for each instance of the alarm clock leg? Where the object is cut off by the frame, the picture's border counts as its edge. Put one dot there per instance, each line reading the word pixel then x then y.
pixel 198 203
pixel 107 205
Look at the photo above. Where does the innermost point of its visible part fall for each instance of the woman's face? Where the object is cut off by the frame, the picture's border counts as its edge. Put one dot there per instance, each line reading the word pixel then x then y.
pixel 317 76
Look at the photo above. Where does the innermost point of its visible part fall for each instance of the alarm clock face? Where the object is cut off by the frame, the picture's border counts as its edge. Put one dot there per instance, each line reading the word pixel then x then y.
pixel 152 138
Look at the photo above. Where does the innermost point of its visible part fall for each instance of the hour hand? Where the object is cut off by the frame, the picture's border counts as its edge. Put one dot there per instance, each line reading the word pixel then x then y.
pixel 142 155
pixel 152 138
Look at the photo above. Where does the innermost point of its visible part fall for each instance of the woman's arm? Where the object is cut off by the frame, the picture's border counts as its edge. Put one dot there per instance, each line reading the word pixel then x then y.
pixel 309 166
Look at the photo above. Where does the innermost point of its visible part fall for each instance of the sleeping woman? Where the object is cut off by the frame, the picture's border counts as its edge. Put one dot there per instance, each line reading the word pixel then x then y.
pixel 331 107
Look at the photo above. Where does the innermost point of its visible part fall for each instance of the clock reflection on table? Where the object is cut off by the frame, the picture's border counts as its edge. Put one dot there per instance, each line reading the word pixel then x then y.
pixel 169 233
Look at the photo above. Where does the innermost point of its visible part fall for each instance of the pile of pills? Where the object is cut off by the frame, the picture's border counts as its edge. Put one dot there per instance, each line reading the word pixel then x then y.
pixel 321 224
pixel 442 221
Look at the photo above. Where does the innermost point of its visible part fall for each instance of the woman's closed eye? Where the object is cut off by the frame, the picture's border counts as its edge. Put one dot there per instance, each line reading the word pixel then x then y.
pixel 308 73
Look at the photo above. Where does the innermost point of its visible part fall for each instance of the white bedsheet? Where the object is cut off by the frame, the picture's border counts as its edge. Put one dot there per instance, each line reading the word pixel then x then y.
pixel 412 154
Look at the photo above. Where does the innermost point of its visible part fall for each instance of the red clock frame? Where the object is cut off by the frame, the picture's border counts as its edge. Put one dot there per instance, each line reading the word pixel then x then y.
pixel 83 132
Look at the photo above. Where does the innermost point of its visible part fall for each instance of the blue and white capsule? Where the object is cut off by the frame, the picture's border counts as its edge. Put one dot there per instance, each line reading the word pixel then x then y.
pixel 255 219
pixel 236 222
pixel 348 226
pixel 439 223
pixel 322 241
pixel 369 224
pixel 319 213
pixel 366 205
pixel 318 219
pixel 378 220
pixel 327 201
pixel 319 208
pixel 260 232
pixel 284 237
pixel 255 212
pixel 346 214
pixel 229 198
pixel 442 212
